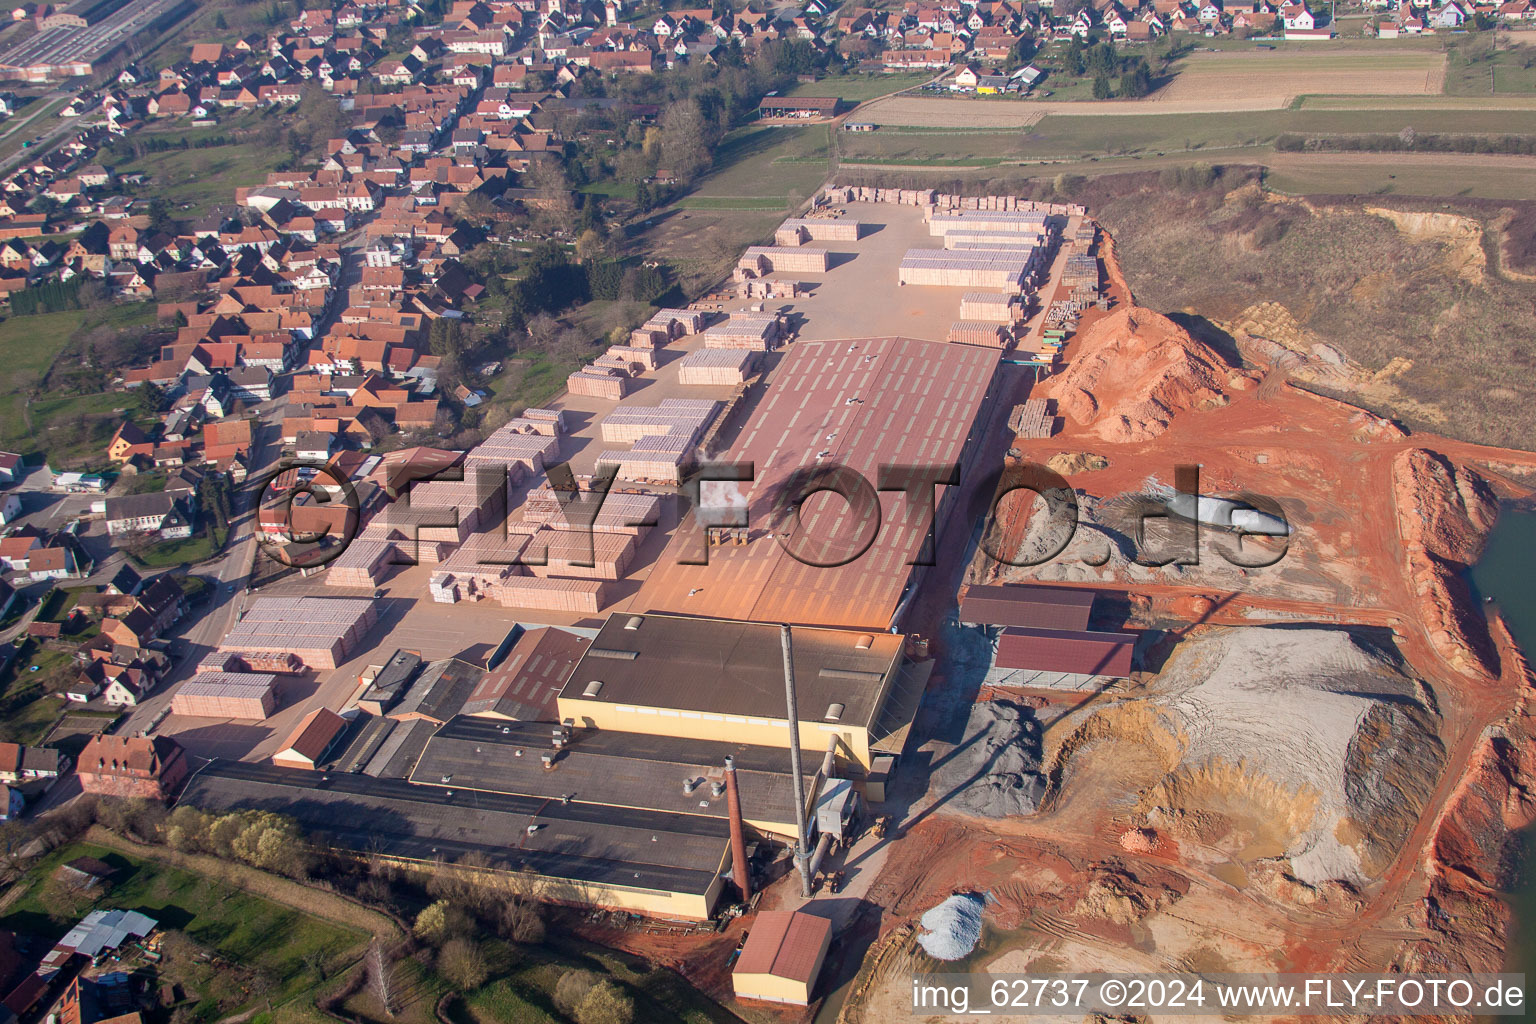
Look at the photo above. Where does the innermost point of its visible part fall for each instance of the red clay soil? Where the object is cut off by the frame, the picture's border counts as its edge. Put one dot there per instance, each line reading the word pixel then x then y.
pixel 1385 522
pixel 1134 372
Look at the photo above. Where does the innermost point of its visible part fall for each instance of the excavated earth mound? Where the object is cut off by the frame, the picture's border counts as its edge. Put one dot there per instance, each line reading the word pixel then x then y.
pixel 1309 743
pixel 1444 513
pixel 1135 370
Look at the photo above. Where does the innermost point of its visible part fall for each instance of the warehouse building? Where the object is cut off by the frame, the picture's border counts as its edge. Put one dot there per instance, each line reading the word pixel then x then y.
pixel 782 957
pixel 861 403
pixel 322 632
pixel 716 367
pixel 633 771
pixel 249 696
pixel 714 679
pixel 803 107
pixel 657 863
pixel 390 682
pixel 311 743
pixel 524 685
pixel 438 693
pixel 1041 637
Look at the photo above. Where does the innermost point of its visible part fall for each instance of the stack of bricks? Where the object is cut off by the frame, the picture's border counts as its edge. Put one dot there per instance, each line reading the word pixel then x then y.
pixel 598 383
pixel 713 367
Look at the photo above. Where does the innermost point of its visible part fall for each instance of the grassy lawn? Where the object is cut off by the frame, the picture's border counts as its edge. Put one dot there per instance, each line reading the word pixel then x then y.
pixel 195 179
pixel 44 122
pixel 64 426
pixel 186 551
pixel 524 980
pixel 1509 71
pixel 1064 136
pixel 857 88
pixel 27 705
pixel 768 163
pixel 250 933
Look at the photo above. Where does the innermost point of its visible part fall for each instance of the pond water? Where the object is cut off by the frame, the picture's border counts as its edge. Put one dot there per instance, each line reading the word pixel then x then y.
pixel 1507 573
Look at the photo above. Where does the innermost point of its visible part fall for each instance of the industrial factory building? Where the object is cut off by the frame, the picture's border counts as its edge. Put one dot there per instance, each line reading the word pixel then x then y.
pixel 719 680
pixel 577 851
pixel 1041 636
pixel 857 403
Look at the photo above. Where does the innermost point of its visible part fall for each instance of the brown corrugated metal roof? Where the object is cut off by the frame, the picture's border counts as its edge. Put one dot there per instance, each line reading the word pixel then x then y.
pixel 1028 605
pixel 315 734
pixel 784 943
pixel 865 403
pixel 1066 650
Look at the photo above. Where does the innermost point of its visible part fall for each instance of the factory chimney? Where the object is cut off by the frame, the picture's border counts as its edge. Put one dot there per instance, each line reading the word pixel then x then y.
pixel 802 849
pixel 739 869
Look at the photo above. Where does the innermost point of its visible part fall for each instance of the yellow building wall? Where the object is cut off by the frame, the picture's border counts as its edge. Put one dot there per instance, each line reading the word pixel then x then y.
pixel 771 988
pixel 763 732
pixel 650 902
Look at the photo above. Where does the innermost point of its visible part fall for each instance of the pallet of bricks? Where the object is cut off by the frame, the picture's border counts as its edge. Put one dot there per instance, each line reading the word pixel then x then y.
pixel 757 332
pixel 716 366
pixel 598 383
pixel 975 332
pixel 1080 270
pixel 579 597
pixel 998 307
pixel 1032 419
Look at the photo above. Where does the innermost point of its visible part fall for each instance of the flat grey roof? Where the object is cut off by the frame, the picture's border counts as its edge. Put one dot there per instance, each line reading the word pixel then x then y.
pixel 579 841
pixel 623 769
pixel 725 667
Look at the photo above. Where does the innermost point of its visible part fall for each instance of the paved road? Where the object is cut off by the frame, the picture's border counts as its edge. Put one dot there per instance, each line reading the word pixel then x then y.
pixel 67 126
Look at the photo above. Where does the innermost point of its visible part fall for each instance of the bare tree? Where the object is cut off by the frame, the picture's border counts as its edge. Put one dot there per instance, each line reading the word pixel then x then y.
pixel 381 976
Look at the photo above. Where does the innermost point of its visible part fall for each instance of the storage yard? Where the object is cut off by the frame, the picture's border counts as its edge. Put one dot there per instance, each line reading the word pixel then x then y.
pixel 592 692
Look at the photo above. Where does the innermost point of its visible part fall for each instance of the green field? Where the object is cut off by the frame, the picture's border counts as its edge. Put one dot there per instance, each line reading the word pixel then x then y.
pixel 63 426
pixel 1476 69
pixel 194 180
pixel 286 949
pixel 759 162
pixel 857 88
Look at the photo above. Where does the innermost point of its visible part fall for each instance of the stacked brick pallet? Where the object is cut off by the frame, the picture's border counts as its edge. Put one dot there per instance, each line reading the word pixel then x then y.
pixel 997 307
pixel 321 631
pixel 969 239
pixel 639 358
pixel 974 332
pixel 775 289
pixel 962 269
pixel 365 563
pixel 761 260
pixel 249 696
pixel 1032 419
pixel 841 194
pixel 709 366
pixel 579 554
pixel 757 332
pixel 578 597
pixel 660 459
pixel 614 512
pixel 598 383
pixel 1080 270
pixel 798 231
pixel 687 416
pixel 530 442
